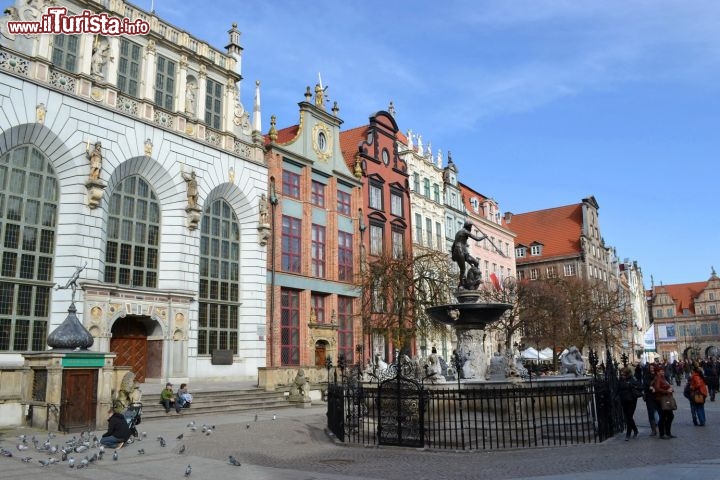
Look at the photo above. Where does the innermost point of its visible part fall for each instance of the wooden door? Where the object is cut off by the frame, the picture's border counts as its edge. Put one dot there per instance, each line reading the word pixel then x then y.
pixel 78 404
pixel 129 343
pixel 320 354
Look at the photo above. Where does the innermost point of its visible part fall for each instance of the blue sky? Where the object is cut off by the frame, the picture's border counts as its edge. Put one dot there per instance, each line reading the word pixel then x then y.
pixel 540 102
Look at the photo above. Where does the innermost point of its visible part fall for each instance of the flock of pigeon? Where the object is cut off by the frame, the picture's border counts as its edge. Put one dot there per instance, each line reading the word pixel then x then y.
pixel 85 450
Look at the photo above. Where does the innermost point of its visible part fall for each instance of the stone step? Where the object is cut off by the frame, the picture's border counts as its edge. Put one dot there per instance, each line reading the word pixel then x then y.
pixel 220 401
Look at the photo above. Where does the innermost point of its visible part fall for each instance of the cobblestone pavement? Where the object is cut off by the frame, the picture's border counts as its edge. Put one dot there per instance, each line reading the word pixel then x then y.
pixel 296 446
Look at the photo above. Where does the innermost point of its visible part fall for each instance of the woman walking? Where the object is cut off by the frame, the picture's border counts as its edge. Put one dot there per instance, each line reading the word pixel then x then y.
pixel 662 389
pixel 698 394
pixel 629 390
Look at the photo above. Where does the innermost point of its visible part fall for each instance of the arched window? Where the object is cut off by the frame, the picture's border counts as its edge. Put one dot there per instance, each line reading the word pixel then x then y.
pixel 133 235
pixel 219 279
pixel 28 215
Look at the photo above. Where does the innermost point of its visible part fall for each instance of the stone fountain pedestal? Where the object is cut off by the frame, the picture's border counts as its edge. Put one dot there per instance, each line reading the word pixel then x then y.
pixel 469 318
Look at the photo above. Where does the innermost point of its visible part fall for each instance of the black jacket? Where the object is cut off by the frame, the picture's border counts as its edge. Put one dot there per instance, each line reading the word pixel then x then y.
pixel 118 427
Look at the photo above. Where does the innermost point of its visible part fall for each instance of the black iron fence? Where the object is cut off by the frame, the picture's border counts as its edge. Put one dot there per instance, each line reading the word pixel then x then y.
pixel 475 416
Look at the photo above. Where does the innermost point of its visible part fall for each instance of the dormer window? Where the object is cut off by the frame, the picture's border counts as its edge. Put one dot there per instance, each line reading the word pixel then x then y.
pixel 536 250
pixel 520 252
pixel 475 204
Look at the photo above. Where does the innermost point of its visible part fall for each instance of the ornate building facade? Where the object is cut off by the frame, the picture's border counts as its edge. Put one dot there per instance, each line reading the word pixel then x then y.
pixel 371 152
pixel 133 157
pixel 686 319
pixel 427 211
pixel 314 204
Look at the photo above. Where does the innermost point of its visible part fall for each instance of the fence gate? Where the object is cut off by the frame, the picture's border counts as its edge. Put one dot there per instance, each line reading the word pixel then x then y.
pixel 401 409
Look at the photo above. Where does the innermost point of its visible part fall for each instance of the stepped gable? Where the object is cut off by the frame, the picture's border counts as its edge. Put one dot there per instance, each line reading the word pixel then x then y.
pixel 683 294
pixel 557 229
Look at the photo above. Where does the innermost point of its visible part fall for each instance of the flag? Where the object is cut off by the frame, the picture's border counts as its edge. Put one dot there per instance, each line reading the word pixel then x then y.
pixel 650 339
pixel 495 282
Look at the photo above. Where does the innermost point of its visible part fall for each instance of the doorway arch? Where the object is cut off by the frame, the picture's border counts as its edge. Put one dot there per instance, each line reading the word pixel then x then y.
pixel 321 352
pixel 129 341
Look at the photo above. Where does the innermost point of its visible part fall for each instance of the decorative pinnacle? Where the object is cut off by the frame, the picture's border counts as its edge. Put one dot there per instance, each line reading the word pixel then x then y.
pixel 308 94
pixel 335 108
pixel 273 134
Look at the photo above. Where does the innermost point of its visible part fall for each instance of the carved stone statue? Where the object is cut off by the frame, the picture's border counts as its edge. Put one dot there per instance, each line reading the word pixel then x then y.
pixel 95 157
pixel 192 188
pixel 191 97
pixel 434 368
pixel 461 255
pixel 72 282
pixel 263 205
pixel 128 394
pixel 299 390
pixel 100 56
pixel 572 362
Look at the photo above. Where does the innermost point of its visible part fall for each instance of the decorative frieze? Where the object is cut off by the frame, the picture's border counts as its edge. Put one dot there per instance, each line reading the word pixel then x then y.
pixel 14 64
pixel 62 81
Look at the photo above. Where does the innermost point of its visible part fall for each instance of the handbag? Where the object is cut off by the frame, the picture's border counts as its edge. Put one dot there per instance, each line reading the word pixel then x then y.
pixel 668 403
pixel 698 398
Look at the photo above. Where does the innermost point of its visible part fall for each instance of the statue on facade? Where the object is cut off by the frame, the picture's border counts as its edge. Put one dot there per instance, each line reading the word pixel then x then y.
pixel 100 56
pixel 263 206
pixel 95 157
pixel 299 388
pixel 192 188
pixel 461 255
pixel 191 97
pixel 320 95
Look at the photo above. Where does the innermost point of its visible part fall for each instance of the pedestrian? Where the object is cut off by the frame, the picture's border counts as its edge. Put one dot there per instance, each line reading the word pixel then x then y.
pixel 183 398
pixel 648 375
pixel 118 430
pixel 662 388
pixel 167 397
pixel 710 373
pixel 629 389
pixel 698 394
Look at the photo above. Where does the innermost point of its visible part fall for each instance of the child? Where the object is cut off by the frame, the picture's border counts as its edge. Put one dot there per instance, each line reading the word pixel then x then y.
pixel 167 397
pixel 183 399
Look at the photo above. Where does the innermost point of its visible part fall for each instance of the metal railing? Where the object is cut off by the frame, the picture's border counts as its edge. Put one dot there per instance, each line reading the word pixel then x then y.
pixel 479 416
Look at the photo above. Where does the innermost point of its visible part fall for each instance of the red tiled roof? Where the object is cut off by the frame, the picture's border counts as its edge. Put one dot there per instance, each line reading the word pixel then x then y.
pixel 349 141
pixel 684 294
pixel 558 229
pixel 284 135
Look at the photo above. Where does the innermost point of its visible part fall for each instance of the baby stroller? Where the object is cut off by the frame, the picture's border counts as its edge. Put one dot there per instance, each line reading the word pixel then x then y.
pixel 133 417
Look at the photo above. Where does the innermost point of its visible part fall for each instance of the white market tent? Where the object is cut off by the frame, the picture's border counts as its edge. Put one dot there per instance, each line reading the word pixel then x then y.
pixel 547 353
pixel 532 354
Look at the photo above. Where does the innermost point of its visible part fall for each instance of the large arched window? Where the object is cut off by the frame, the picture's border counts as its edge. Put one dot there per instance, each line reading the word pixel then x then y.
pixel 28 215
pixel 219 279
pixel 133 235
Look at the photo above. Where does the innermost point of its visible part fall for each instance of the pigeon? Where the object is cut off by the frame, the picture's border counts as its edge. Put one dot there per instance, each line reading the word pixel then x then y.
pixel 208 432
pixel 83 463
pixel 45 463
pixel 26 459
pixel 63 457
pixel 182 450
pixel 23 438
pixel 179 437
pixel 233 461
pixel 100 455
pixel 141 451
pixel 80 448
pixel 5 453
pixel 22 447
pixel 256 417
pixel 53 449
pixel 115 455
pixel 191 424
pixel 51 435
pixel 102 448
pixel 162 442
pixel 71 462
pixel 188 471
pixel 274 416
pixel 93 458
pixel 247 425
pixel 144 434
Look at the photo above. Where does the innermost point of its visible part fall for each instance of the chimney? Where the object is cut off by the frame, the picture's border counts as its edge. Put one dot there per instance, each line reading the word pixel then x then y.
pixel 508 217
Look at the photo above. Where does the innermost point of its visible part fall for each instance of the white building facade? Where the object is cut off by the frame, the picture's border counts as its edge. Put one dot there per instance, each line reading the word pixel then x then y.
pixel 133 157
pixel 428 220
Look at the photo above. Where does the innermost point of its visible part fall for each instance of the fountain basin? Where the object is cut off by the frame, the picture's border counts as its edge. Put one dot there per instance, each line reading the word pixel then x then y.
pixel 468 315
